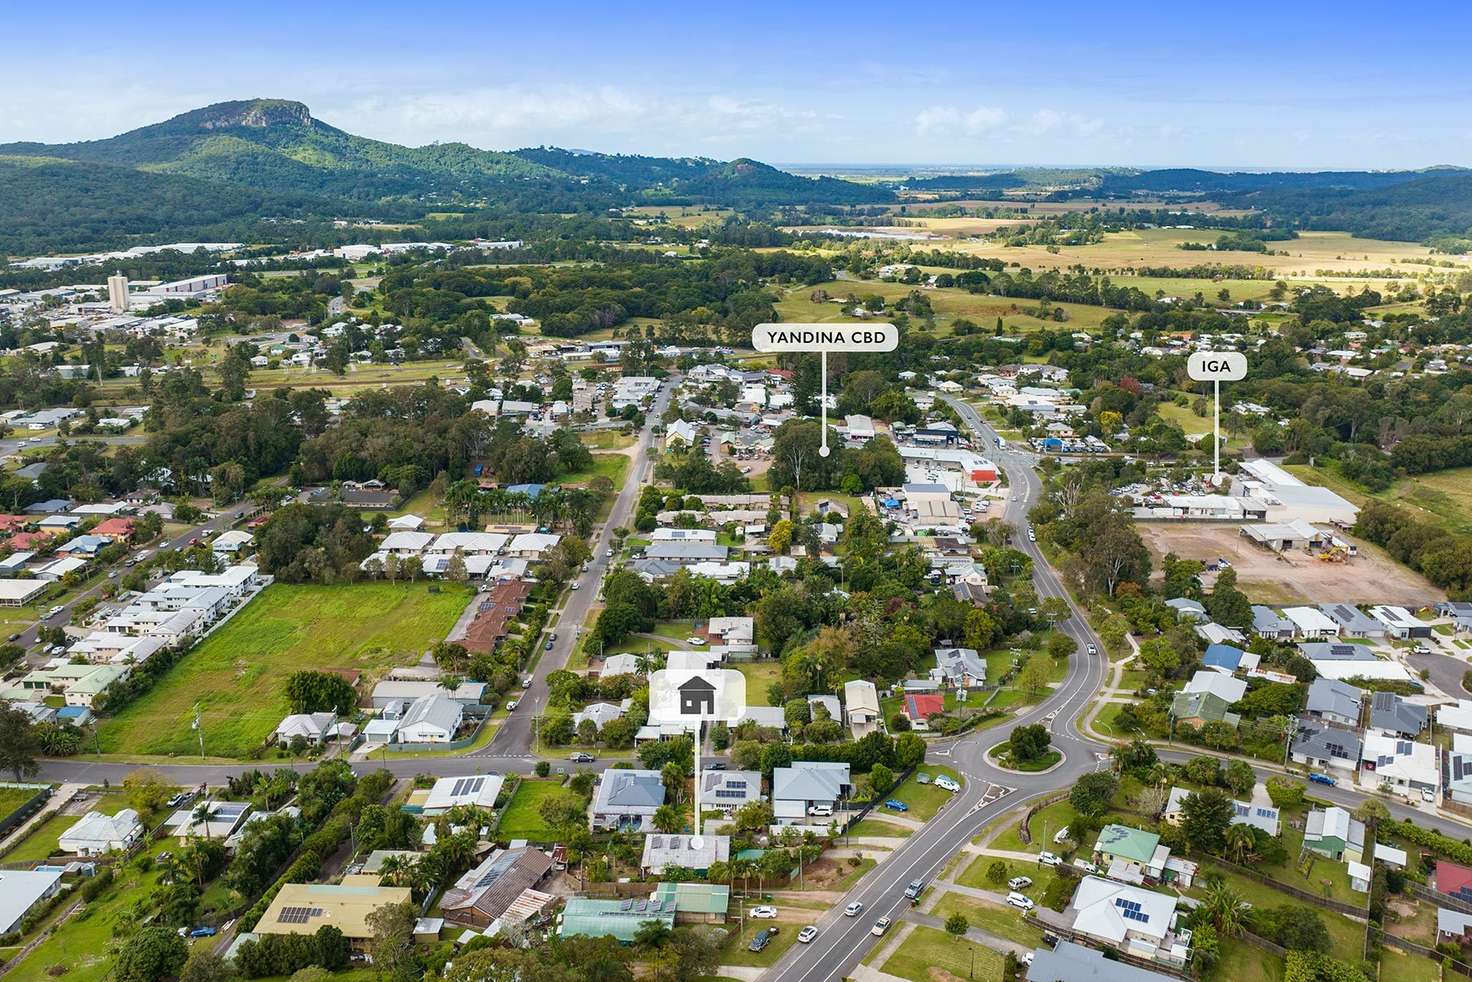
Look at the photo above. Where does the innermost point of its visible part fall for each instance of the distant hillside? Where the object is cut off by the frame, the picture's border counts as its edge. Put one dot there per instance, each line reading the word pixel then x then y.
pixel 270 158
pixel 1432 205
pixel 1192 181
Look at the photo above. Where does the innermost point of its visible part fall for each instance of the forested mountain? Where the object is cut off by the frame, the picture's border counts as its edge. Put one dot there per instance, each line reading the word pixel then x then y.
pixel 269 158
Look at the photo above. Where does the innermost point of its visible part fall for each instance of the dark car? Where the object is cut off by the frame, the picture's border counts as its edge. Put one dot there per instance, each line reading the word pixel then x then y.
pixel 763 938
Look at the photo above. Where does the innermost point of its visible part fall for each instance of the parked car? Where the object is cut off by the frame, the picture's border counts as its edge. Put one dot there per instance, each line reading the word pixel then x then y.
pixel 763 938
pixel 853 910
pixel 526 683
pixel 764 911
pixel 1321 779
pixel 1020 901
pixel 807 934
pixel 694 641
pixel 880 926
pixel 581 758
pixel 1061 836
pixel 1050 859
pixel 894 804
pixel 511 706
pixel 1085 866
pixel 947 784
pixel 914 890
pixel 203 932
pixel 547 646
pixel 1428 795
pixel 1019 883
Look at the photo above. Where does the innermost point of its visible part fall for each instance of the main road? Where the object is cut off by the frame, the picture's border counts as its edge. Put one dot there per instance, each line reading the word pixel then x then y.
pixel 511 748
pixel 989 792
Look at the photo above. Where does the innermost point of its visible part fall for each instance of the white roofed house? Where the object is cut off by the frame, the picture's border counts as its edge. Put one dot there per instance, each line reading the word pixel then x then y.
pixel 1400 623
pixel 474 790
pixel 532 545
pixel 1311 623
pixel 861 705
pixel 600 713
pixel 315 728
pixel 1129 918
pixel 22 890
pixel 431 718
pixel 1398 762
pixel 232 542
pixel 684 851
pixel 682 431
pixel 95 833
pixel 404 544
pixel 468 543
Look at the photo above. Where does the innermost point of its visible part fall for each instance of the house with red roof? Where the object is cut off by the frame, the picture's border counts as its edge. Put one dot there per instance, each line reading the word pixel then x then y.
pixel 921 706
pixel 13 523
pixel 1453 880
pixel 39 539
pixel 114 528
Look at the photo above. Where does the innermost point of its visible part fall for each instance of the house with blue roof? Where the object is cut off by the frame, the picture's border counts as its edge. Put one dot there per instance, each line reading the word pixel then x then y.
pixel 1223 656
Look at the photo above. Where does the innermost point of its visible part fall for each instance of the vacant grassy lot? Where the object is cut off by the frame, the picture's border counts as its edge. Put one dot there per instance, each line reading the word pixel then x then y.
pixel 13 798
pixel 1444 497
pixel 924 799
pixel 926 948
pixel 237 675
pixel 522 818
pixel 1004 922
pixel 948 304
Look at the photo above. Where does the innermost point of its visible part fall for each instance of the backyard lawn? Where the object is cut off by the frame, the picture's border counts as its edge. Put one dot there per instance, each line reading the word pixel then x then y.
pixel 13 798
pixel 924 799
pixel 522 817
pixel 759 677
pixel 237 675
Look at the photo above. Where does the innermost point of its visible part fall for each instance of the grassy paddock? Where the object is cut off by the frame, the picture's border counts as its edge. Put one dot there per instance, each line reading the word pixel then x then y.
pixel 237 675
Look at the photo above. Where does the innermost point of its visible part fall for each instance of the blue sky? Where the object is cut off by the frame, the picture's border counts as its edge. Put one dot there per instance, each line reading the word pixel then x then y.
pixel 1291 85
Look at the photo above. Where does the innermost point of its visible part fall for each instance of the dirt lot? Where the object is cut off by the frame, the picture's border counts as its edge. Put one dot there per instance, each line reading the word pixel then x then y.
pixel 1294 577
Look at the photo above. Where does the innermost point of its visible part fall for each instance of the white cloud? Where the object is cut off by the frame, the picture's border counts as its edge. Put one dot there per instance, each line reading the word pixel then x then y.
pixel 945 119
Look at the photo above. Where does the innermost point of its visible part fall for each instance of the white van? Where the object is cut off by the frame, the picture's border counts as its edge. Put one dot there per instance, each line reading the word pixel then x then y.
pixel 947 784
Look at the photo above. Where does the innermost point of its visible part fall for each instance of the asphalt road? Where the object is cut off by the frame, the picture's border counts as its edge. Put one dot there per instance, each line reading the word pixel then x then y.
pixel 514 739
pixel 220 521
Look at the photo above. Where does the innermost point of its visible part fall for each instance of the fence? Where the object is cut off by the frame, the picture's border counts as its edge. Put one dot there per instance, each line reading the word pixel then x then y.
pixel 1318 900
pixel 855 817
pixel 1023 831
pixel 32 805
pixel 1419 949
pixel 1052 925
pixel 1437 897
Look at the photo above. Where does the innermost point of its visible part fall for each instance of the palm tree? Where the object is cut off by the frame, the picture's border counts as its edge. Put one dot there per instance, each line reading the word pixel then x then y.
pixel 201 816
pixel 1241 843
pixel 1225 909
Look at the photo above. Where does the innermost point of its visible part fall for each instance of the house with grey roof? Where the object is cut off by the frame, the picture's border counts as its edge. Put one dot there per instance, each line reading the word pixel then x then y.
pixel 684 851
pixel 963 668
pixel 601 713
pixel 1353 622
pixel 808 785
pixel 1335 702
pixel 1187 609
pixel 1268 623
pixel 1393 715
pixel 431 719
pixel 687 553
pixel 626 800
pixel 726 791
pixel 1318 744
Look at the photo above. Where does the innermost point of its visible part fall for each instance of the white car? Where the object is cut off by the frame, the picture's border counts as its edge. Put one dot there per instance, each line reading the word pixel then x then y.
pixel 947 784
pixel 575 586
pixel 807 934
pixel 1019 901
pixel 764 912
pixel 1061 836
pixel 511 706
pixel 880 926
pixel 1050 859
pixel 1019 883
pixel 853 910
pixel 694 642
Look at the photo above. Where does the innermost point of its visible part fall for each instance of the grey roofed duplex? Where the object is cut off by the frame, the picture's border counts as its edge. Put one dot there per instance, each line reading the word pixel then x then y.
pixel 627 799
pixel 1353 622
pixel 1327 746
pixel 1392 714
pixel 1337 702
pixel 1268 623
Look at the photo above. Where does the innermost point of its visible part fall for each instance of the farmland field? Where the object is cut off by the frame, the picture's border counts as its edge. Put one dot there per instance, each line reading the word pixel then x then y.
pixel 1444 496
pixel 237 675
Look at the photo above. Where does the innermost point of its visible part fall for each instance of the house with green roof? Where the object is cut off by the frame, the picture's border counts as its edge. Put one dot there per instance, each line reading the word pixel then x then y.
pixel 695 901
pixel 1131 855
pixel 618 919
pixel 1196 709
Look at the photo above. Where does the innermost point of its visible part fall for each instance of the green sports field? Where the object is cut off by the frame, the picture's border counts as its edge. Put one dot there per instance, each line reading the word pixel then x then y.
pixel 237 675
